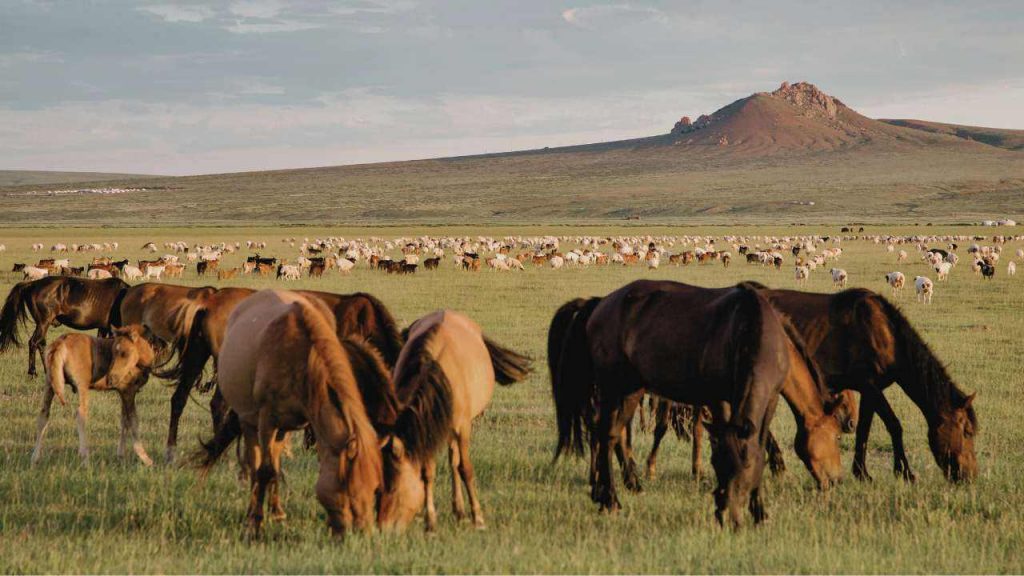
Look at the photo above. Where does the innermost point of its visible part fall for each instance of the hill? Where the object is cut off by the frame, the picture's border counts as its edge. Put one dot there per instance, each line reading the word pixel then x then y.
pixel 39 177
pixel 794 155
pixel 1000 137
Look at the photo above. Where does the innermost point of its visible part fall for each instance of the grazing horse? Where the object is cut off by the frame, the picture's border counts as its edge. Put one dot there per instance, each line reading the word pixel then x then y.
pixel 121 363
pixel 444 379
pixel 281 368
pixel 726 348
pixel 358 314
pixel 864 343
pixel 77 303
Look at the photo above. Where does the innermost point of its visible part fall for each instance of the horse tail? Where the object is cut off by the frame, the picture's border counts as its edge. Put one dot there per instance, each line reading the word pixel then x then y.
pixel 15 312
pixel 56 356
pixel 209 452
pixel 183 319
pixel 338 385
pixel 572 372
pixel 509 366
pixel 425 421
pixel 387 338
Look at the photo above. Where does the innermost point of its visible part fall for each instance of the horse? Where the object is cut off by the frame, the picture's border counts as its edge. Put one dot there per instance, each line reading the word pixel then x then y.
pixel 77 303
pixel 357 314
pixel 121 363
pixel 444 378
pixel 281 368
pixel 726 348
pixel 864 343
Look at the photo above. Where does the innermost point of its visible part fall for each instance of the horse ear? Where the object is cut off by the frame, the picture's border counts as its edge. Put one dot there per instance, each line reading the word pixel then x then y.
pixel 397 447
pixel 352 448
pixel 969 400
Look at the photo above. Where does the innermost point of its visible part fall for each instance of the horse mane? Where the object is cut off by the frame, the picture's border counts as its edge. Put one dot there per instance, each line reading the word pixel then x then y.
pixel 388 340
pixel 921 366
pixel 333 380
pixel 745 338
pixel 425 395
pixel 812 365
pixel 374 382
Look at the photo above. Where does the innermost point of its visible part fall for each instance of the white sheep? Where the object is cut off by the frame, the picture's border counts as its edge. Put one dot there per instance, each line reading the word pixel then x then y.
pixel 802 273
pixel 1011 268
pixel 839 277
pixel 33 273
pixel 924 288
pixel 896 281
pixel 99 274
pixel 942 269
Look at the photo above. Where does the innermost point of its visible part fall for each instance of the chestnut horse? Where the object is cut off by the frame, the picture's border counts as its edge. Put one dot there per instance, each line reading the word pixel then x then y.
pixel 121 363
pixel 726 348
pixel 864 343
pixel 281 367
pixel 444 379
pixel 77 303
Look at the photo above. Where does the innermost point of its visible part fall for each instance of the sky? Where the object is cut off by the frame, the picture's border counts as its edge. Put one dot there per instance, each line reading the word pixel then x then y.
pixel 204 87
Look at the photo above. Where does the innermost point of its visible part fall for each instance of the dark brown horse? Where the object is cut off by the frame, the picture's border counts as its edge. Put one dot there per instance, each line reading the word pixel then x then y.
pixel 77 303
pixel 862 342
pixel 726 348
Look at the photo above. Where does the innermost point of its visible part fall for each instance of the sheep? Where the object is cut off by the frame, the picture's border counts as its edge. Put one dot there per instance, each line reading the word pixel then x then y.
pixel 344 265
pixel 901 256
pixel 155 272
pixel 942 269
pixel 896 280
pixel 1011 268
pixel 924 287
pixel 839 277
pixel 289 272
pixel 131 272
pixel 802 273
pixel 99 274
pixel 34 273
pixel 556 262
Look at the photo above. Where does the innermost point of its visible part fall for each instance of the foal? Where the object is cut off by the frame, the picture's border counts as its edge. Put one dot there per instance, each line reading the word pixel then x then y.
pixel 121 363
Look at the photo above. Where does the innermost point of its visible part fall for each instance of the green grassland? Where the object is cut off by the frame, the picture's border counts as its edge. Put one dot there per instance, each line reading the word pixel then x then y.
pixel 116 516
pixel 600 184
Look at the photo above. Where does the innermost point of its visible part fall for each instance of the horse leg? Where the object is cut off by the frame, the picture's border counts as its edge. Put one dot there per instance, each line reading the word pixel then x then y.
pixel 429 473
pixel 82 416
pixel 698 444
pixel 254 459
pixel 278 445
pixel 455 461
pixel 901 465
pixel 775 460
pixel 860 452
pixel 757 510
pixel 178 401
pixel 660 429
pixel 130 425
pixel 466 471
pixel 624 446
pixel 218 407
pixel 37 345
pixel 42 423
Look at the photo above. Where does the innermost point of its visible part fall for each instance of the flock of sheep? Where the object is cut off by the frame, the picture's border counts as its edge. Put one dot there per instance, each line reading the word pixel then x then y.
pixel 510 253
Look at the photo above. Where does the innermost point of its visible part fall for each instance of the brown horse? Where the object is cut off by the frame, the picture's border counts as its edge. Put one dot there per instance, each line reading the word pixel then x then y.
pixel 77 303
pixel 444 378
pixel 281 368
pixel 726 348
pixel 358 314
pixel 121 363
pixel 862 342
pixel 815 411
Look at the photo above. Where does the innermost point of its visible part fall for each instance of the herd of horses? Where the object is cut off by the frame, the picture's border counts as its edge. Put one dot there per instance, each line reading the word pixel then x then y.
pixel 379 403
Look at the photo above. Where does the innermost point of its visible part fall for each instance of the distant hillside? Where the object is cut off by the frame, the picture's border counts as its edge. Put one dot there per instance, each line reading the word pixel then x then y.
pixel 1000 137
pixel 37 177
pixel 794 155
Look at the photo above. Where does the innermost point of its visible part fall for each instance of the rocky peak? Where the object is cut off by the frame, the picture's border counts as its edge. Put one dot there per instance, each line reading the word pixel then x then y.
pixel 808 97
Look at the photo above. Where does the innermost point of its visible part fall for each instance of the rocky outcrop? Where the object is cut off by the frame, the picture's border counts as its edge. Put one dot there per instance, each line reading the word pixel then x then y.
pixel 809 98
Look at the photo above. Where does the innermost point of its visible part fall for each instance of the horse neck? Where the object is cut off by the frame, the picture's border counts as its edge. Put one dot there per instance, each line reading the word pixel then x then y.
pixel 803 397
pixel 926 383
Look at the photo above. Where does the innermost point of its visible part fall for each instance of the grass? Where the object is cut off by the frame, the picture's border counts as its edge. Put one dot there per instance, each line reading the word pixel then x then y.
pixel 601 185
pixel 116 516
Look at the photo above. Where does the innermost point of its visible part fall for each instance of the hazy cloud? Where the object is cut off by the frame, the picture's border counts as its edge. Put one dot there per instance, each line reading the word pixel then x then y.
pixel 180 12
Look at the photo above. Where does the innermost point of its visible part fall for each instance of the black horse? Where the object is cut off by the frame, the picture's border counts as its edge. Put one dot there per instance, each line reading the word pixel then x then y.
pixel 77 303
pixel 725 348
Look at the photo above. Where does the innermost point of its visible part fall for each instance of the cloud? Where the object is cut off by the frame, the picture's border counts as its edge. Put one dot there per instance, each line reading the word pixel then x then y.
pixel 180 13
pixel 613 14
pixel 263 9
pixel 241 27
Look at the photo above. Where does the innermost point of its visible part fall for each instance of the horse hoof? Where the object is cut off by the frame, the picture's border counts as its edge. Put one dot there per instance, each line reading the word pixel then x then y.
pixel 479 525
pixel 278 515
